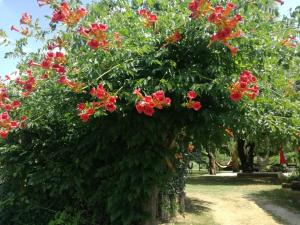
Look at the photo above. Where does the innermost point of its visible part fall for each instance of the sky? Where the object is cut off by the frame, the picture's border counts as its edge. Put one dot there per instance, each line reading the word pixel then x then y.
pixel 11 11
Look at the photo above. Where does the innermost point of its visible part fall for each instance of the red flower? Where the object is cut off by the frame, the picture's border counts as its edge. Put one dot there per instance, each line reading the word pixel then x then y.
pixel 98 92
pixel 110 107
pixel 81 106
pixel 236 96
pixel 147 103
pixel 107 101
pixel 142 12
pixel 243 85
pixel 168 101
pixel 3 134
pixel 112 99
pixel 139 107
pixel 149 17
pixel 102 27
pixel 118 39
pixel 4 116
pixel 196 106
pixel 59 55
pixel 199 8
pixel 152 18
pixel 94 44
pixel 16 104
pixel 81 12
pixel 230 5
pixel 84 117
pixel 14 28
pixel 64 14
pixel 90 112
pixel 46 64
pixel 14 124
pixel 159 95
pixel 26 19
pixel 175 37
pixel 191 94
pixel 148 110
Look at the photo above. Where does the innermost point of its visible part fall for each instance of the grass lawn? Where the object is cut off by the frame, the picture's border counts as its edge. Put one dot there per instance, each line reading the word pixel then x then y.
pixel 232 192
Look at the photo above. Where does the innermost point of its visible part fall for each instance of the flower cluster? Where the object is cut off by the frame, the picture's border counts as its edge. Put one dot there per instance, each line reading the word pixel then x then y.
pixel 199 8
pixel 290 42
pixel 245 86
pixel 65 15
pixel 28 84
pixel 96 35
pixel 74 86
pixel 191 104
pixel 149 17
pixel 25 21
pixel 107 101
pixel 53 61
pixel 226 25
pixel 174 38
pixel 219 16
pixel 148 103
pixel 118 39
pixel 6 104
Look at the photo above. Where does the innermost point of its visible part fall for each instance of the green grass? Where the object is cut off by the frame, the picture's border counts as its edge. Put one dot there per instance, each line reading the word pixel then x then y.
pixel 283 197
pixel 198 212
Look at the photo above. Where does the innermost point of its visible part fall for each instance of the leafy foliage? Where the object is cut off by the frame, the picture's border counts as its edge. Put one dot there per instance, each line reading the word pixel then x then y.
pixel 59 170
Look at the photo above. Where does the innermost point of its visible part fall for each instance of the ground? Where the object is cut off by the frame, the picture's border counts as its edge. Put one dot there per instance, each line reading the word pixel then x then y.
pixel 230 200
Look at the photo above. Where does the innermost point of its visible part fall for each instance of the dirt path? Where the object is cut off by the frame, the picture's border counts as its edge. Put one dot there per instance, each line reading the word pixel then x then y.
pixel 235 210
pixel 230 201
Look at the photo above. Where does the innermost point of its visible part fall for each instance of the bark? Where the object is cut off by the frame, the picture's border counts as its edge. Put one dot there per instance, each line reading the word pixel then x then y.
pixel 212 163
pixel 164 205
pixel 250 157
pixel 235 161
pixel 246 155
pixel 181 202
pixel 151 207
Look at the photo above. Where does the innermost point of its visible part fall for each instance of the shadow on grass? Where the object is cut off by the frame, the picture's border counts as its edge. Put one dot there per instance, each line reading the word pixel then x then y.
pixel 197 212
pixel 196 206
pixel 218 180
pixel 282 204
pixel 282 197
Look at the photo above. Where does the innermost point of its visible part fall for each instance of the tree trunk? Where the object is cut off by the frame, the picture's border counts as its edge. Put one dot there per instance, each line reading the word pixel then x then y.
pixel 212 163
pixel 250 157
pixel 181 202
pixel 164 206
pixel 234 160
pixel 151 207
pixel 246 155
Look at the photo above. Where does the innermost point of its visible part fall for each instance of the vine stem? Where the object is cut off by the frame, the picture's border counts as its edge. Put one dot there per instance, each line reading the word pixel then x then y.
pixel 108 71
